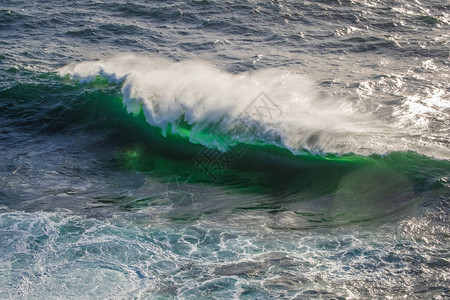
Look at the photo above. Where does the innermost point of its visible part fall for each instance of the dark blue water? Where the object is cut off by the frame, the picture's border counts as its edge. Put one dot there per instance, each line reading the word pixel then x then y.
pixel 224 150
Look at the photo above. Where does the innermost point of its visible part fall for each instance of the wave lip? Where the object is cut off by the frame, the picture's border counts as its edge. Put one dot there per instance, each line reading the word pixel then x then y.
pixel 275 106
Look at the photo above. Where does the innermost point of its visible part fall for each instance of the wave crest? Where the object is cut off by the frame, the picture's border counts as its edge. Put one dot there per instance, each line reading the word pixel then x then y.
pixel 274 106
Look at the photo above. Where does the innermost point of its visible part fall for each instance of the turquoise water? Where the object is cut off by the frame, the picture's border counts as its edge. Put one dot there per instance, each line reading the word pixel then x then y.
pixel 224 150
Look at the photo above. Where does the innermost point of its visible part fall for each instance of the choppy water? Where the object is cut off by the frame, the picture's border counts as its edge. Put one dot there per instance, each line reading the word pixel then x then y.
pixel 224 149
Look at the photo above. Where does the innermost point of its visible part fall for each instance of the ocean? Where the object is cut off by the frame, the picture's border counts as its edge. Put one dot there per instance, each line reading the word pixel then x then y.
pixel 224 149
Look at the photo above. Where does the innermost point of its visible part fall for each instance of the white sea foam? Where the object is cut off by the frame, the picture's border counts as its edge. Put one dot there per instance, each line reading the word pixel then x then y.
pixel 276 106
pixel 56 255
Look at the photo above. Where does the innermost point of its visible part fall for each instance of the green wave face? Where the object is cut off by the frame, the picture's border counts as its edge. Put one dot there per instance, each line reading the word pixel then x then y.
pixel 329 188
pixel 345 188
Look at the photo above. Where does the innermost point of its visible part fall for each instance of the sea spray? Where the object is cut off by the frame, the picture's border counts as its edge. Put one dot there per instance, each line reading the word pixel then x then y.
pixel 199 101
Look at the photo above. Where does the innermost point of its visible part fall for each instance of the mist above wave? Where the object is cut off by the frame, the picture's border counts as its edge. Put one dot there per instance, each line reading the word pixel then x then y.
pixel 276 106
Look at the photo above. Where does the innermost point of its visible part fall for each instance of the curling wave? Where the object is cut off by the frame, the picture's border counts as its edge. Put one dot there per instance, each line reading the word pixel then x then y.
pixel 274 106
